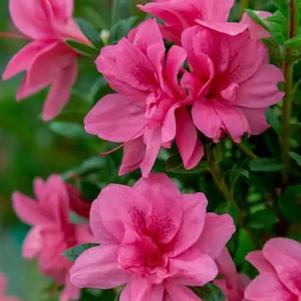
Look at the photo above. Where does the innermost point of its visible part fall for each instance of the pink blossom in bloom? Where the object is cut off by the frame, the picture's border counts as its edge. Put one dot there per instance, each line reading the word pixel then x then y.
pixel 279 267
pixel 154 239
pixel 178 15
pixel 148 111
pixel 46 60
pixel 52 231
pixel 231 83
pixel 231 283
pixel 3 296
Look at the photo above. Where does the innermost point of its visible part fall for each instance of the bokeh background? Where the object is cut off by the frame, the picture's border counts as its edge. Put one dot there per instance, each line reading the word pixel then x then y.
pixel 30 148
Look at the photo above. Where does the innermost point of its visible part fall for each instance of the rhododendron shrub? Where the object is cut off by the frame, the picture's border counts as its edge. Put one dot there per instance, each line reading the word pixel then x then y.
pixel 170 147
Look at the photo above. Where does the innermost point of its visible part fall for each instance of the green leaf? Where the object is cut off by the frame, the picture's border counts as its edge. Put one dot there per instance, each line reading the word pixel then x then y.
pixel 256 18
pixel 265 165
pixel 278 27
pixel 74 252
pixel 121 10
pixel 90 32
pixel 282 6
pixel 90 165
pixel 296 157
pixel 82 49
pixel 68 129
pixel 293 42
pixel 210 292
pixel 244 245
pixel 121 29
pixel 263 219
pixel 290 203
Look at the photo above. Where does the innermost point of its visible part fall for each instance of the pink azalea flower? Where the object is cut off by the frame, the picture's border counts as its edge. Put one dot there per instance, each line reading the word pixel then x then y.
pixel 52 231
pixel 279 266
pixel 46 60
pixel 154 239
pixel 147 111
pixel 231 83
pixel 232 284
pixel 3 296
pixel 178 15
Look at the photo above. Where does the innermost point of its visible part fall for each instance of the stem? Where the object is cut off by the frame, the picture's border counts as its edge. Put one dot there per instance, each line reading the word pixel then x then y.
pixel 220 182
pixel 246 150
pixel 288 99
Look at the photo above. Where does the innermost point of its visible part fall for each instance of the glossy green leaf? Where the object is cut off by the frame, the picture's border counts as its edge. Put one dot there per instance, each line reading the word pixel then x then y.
pixel 210 292
pixel 74 252
pixel 265 165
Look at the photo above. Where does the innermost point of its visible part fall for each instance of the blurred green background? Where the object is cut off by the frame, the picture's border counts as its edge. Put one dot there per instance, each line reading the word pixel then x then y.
pixel 31 148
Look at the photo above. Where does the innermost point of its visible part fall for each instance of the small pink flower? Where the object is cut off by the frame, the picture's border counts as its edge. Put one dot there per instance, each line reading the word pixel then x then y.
pixel 148 111
pixel 3 296
pixel 231 83
pixel 178 15
pixel 154 239
pixel 279 266
pixel 52 231
pixel 46 60
pixel 231 283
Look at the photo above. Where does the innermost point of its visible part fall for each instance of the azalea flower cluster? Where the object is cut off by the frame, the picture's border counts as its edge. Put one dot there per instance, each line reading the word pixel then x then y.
pixel 157 243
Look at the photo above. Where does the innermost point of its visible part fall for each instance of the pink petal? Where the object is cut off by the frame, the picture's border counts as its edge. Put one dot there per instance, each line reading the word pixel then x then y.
pixel 97 268
pixel 163 197
pixel 190 147
pixel 177 15
pixel 267 287
pixel 216 9
pixel 174 61
pixel 256 119
pixel 152 140
pixel 285 256
pixel 22 59
pixel 30 18
pixel 28 210
pixel 33 243
pixel 176 292
pixel 140 289
pixel 193 220
pixel 234 121
pixel 56 201
pixel 217 232
pixel 60 91
pixel 206 119
pixel 133 154
pixel 114 206
pixel 45 68
pixel 115 118
pixel 70 292
pixel 257 259
pixel 266 92
pixel 229 28
pixel 100 233
pixel 157 185
pixel 192 268
pixel 140 36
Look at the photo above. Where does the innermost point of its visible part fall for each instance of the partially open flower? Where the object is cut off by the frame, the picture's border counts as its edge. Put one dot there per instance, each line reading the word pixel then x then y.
pixel 279 267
